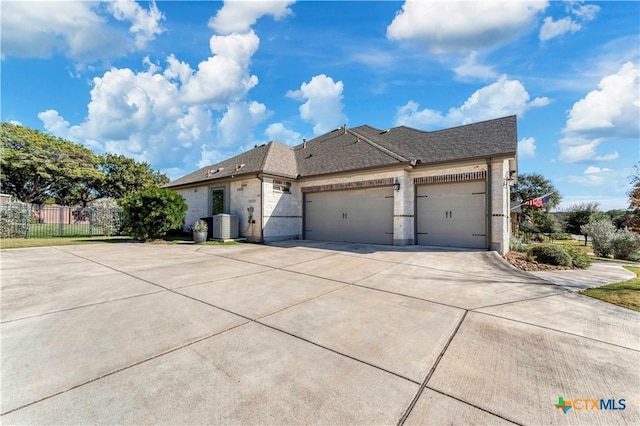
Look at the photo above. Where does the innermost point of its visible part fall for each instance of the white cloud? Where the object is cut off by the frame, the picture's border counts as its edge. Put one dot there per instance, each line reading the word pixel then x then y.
pixel 323 106
pixel 15 122
pixel 240 15
pixel 278 132
pixel 225 76
pixel 581 15
pixel 461 26
pixel 502 98
pixel 609 112
pixel 471 69
pixel 145 24
pixel 552 29
pixel 236 125
pixel 527 148
pixel 82 31
pixel 594 169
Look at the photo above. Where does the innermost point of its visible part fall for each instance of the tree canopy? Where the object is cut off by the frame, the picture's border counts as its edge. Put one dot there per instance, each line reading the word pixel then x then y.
pixel 37 167
pixel 579 215
pixel 633 219
pixel 534 185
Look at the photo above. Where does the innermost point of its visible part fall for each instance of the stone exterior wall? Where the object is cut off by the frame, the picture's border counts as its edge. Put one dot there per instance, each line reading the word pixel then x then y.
pixel 244 195
pixel 198 204
pixel 500 207
pixel 282 210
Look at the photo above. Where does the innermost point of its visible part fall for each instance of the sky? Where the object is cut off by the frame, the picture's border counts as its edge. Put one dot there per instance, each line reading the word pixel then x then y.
pixel 185 84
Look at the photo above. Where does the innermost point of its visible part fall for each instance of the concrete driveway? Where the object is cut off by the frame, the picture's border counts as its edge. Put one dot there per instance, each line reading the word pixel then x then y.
pixel 305 333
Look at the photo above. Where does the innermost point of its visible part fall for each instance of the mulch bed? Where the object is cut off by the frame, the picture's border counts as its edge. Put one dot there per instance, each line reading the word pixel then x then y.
pixel 520 261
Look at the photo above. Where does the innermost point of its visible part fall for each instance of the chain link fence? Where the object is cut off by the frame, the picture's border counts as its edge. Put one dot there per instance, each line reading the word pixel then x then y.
pixel 21 220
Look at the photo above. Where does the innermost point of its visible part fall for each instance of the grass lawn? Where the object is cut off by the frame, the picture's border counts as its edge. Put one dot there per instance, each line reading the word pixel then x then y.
pixel 625 293
pixel 11 243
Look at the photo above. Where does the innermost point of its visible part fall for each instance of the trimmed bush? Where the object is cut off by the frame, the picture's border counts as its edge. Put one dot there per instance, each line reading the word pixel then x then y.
pixel 516 244
pixel 150 213
pixel 561 236
pixel 601 232
pixel 579 258
pixel 624 243
pixel 106 214
pixel 550 254
pixel 14 220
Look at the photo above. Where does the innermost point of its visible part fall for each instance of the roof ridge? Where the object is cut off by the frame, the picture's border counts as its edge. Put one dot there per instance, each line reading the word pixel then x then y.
pixel 459 126
pixel 266 155
pixel 378 146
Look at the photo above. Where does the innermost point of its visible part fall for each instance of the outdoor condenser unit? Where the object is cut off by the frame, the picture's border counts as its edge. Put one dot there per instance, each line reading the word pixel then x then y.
pixel 225 227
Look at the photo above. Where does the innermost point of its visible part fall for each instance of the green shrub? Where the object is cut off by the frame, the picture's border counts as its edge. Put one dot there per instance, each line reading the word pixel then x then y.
pixel 516 244
pixel 624 243
pixel 601 232
pixel 150 213
pixel 563 236
pixel 106 214
pixel 14 220
pixel 550 254
pixel 579 258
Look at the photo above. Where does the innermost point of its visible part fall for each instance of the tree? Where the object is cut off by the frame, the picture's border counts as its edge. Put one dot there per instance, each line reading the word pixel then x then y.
pixel 534 185
pixel 633 218
pixel 35 166
pixel 150 213
pixel 581 214
pixel 124 176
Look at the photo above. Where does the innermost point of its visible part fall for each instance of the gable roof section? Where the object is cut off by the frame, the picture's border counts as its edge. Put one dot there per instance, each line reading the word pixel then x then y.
pixel 364 147
pixel 339 151
pixel 484 139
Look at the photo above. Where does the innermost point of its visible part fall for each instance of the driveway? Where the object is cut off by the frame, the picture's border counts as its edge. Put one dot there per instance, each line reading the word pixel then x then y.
pixel 306 333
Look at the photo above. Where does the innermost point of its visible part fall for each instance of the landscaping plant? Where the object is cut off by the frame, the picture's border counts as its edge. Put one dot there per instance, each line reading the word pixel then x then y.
pixel 601 232
pixel 150 213
pixel 550 254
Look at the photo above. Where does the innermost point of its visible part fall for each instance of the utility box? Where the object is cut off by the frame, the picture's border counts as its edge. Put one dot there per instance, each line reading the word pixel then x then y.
pixel 224 227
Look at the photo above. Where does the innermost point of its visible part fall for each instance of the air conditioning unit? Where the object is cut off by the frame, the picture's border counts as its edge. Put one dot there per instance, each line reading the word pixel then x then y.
pixel 225 227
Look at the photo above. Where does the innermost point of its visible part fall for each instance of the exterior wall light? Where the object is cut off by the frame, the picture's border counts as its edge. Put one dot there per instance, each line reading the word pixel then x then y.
pixel 396 185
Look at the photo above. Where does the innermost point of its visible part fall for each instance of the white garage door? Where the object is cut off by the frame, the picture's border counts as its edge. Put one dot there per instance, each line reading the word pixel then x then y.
pixel 357 216
pixel 452 215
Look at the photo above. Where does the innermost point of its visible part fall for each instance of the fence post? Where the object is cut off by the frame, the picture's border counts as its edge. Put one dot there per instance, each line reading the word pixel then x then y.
pixel 27 217
pixel 61 221
pixel 90 221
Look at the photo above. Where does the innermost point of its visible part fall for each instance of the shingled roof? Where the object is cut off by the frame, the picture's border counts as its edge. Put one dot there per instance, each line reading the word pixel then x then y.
pixel 365 147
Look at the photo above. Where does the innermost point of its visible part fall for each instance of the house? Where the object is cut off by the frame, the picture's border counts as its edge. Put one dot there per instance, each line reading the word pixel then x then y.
pixel 399 186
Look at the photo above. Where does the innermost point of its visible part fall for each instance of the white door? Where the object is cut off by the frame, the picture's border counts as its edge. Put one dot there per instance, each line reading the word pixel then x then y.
pixel 452 215
pixel 358 216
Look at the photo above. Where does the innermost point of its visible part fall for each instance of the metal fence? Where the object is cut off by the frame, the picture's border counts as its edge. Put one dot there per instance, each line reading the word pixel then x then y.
pixel 529 233
pixel 20 220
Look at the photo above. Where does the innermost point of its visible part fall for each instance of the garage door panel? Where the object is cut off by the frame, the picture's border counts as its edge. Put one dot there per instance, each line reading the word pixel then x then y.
pixel 364 215
pixel 452 214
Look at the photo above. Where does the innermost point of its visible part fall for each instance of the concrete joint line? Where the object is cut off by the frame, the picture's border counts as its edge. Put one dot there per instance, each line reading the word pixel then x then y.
pixel 124 368
pixel 407 412
pixel 408 296
pixel 465 274
pixel 474 406
pixel 304 301
pixel 82 306
pixel 520 300
pixel 557 331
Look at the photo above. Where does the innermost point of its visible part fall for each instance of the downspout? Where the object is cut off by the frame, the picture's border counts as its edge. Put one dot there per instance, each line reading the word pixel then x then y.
pixel 489 204
pixel 261 207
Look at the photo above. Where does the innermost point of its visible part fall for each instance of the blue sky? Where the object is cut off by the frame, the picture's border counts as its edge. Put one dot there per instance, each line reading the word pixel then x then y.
pixel 182 85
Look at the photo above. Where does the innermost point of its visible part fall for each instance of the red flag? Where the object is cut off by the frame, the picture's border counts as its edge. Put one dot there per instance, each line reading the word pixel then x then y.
pixel 538 202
